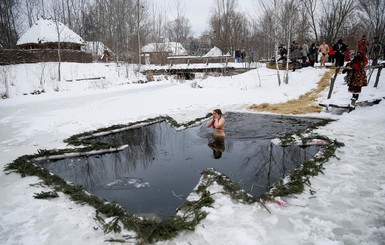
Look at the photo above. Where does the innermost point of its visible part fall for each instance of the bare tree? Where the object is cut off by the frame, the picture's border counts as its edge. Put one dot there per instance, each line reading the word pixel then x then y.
pixel 158 22
pixel 271 30
pixel 281 21
pixel 334 17
pixel 228 27
pixel 266 26
pixel 310 7
pixel 304 29
pixel 30 9
pixel 115 23
pixel 373 14
pixel 179 29
pixel 9 22
pixel 289 20
pixel 56 10
pixel 35 9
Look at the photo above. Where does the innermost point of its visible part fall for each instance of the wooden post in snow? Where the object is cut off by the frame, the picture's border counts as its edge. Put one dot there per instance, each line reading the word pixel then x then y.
pixel 332 82
pixel 378 76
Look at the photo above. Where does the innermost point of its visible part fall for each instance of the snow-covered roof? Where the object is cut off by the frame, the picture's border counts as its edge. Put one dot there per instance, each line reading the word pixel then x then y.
pixel 213 52
pixel 172 47
pixel 46 31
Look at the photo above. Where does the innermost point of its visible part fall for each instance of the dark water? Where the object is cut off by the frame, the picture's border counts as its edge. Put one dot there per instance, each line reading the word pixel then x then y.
pixel 161 166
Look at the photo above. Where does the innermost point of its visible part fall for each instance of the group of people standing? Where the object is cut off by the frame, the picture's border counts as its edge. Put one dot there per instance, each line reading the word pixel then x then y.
pixel 375 48
pixel 340 52
pixel 355 69
pixel 240 56
pixel 337 54
pixel 298 55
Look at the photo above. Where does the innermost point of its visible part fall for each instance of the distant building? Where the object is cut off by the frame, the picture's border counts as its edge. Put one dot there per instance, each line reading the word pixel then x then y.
pixel 204 44
pixel 41 42
pixel 97 49
pixel 157 53
pixel 46 34
pixel 214 52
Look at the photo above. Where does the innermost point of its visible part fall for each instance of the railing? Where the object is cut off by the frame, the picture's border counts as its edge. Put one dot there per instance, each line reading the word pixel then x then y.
pixel 199 59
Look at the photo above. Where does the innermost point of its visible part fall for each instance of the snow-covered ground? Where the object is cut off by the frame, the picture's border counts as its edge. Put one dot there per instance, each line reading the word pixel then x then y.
pixel 347 208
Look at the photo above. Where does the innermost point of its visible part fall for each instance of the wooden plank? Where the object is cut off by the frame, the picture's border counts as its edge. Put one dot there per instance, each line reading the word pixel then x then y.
pixel 349 68
pixel 89 78
pixel 347 106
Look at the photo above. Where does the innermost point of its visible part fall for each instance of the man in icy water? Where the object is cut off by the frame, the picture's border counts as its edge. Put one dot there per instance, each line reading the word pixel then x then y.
pixel 218 124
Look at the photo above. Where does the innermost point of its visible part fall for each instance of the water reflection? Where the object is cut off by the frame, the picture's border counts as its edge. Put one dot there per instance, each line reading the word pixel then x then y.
pixel 217 144
pixel 162 165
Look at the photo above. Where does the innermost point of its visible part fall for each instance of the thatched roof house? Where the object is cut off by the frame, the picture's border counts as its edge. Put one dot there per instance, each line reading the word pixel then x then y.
pixel 157 53
pixel 171 48
pixel 46 34
pixel 214 52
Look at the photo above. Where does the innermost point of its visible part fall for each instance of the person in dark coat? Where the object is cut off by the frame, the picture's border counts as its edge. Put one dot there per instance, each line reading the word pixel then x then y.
pixel 356 78
pixel 282 55
pixel 295 56
pixel 313 54
pixel 238 55
pixel 375 51
pixel 383 52
pixel 339 49
pixel 243 55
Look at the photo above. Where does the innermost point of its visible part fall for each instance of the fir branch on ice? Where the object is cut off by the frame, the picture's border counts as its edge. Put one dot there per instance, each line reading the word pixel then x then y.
pixel 46 195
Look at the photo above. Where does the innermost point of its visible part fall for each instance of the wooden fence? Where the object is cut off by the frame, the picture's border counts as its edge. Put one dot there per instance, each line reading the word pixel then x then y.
pixel 19 56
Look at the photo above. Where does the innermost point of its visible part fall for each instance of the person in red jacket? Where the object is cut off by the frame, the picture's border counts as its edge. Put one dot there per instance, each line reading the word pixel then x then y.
pixel 348 52
pixel 357 76
pixel 331 54
pixel 362 45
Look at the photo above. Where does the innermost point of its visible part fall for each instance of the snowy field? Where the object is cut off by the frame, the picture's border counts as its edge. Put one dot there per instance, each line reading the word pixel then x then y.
pixel 347 208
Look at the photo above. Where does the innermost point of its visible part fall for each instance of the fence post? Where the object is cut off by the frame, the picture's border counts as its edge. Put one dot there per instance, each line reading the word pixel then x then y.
pixel 332 82
pixel 378 76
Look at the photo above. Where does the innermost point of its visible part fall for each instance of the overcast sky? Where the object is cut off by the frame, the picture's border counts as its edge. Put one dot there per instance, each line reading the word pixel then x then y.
pixel 198 11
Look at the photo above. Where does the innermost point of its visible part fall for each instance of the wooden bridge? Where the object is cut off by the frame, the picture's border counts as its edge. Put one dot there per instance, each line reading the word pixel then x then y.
pixel 185 67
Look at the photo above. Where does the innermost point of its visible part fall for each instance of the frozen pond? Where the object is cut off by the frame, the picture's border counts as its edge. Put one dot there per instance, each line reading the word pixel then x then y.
pixel 161 165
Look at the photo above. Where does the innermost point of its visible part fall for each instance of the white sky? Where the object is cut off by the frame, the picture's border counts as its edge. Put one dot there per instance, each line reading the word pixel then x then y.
pixel 198 11
pixel 346 208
